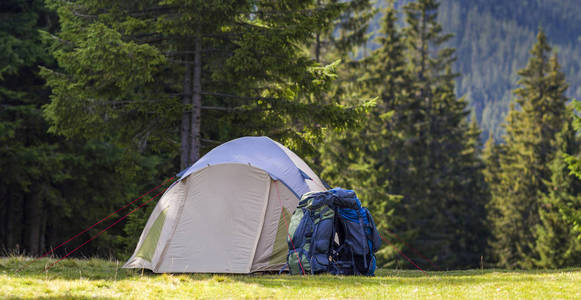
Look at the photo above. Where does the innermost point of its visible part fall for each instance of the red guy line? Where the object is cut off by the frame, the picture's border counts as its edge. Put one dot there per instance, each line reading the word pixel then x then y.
pixel 89 228
pixel 286 224
pixel 98 234
pixel 413 249
pixel 401 253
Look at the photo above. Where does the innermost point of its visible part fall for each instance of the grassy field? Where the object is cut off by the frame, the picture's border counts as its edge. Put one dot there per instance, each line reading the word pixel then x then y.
pixel 103 279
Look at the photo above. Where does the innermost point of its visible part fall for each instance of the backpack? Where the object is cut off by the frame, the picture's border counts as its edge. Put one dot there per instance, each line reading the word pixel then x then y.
pixel 310 231
pixel 330 232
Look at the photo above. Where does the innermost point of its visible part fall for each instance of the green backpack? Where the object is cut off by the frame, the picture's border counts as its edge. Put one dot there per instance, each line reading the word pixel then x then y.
pixel 309 240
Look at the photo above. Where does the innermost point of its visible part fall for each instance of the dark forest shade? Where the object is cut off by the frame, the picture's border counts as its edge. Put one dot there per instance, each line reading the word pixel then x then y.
pixel 24 161
pixel 51 187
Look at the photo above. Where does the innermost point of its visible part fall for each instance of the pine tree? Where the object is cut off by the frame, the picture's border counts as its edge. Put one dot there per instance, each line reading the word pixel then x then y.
pixel 23 157
pixel 419 145
pixel 347 31
pixel 530 146
pixel 475 198
pixel 491 156
pixel 556 243
pixel 492 174
pixel 384 70
pixel 50 187
pixel 360 158
pixel 196 71
pixel 571 211
pixel 438 171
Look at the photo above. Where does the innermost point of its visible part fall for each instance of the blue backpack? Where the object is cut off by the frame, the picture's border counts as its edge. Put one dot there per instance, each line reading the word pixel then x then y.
pixel 330 232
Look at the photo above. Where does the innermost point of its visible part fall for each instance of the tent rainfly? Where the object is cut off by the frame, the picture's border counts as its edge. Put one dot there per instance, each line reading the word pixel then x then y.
pixel 228 212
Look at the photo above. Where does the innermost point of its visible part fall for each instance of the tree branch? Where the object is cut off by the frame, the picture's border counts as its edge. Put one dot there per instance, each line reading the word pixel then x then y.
pixel 210 141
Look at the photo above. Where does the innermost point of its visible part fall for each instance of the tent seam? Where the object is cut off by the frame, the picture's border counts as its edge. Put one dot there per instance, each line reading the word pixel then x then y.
pixel 173 230
pixel 261 227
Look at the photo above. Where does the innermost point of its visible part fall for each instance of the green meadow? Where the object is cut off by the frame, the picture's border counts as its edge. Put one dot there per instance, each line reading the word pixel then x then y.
pixel 103 279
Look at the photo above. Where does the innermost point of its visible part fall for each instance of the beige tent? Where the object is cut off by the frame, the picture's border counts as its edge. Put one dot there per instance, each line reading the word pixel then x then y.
pixel 228 213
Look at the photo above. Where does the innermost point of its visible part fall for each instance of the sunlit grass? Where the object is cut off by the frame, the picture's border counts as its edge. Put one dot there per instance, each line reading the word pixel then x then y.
pixel 95 278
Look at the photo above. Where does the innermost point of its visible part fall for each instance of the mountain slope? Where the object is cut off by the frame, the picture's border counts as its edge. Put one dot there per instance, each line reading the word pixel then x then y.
pixel 493 38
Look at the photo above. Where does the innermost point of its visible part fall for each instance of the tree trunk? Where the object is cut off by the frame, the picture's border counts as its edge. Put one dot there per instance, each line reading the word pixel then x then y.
pixel 7 237
pixel 318 47
pixel 32 221
pixel 196 102
pixel 318 40
pixel 423 51
pixel 42 237
pixel 185 148
pixel 51 230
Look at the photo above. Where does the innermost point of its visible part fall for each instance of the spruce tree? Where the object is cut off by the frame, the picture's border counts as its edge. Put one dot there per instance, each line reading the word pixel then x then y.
pixel 346 31
pixel 492 174
pixel 476 196
pixel 360 158
pixel 24 154
pixel 419 143
pixel 556 243
pixel 51 187
pixel 491 155
pixel 438 173
pixel 530 147
pixel 571 211
pixel 196 72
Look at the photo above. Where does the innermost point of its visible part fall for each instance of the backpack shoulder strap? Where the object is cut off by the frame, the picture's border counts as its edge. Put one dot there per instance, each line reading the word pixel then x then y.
pixel 365 247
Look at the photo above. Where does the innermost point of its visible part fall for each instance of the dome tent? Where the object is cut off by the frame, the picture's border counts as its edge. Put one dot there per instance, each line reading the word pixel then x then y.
pixel 228 212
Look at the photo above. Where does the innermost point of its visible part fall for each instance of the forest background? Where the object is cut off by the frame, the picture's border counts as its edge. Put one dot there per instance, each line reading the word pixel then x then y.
pixel 103 100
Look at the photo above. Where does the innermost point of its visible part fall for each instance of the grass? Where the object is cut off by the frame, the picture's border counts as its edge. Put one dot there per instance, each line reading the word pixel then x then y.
pixel 101 279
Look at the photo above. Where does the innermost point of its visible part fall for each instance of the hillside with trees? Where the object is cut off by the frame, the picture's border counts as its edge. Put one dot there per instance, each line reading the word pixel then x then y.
pixel 492 39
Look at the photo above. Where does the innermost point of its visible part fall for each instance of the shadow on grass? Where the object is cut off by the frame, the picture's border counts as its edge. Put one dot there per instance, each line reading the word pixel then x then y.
pixel 97 269
pixel 398 277
pixel 471 272
pixel 385 278
pixel 71 269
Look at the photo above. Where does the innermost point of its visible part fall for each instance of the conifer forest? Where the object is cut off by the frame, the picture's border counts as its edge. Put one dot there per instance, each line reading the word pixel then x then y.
pixel 455 121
